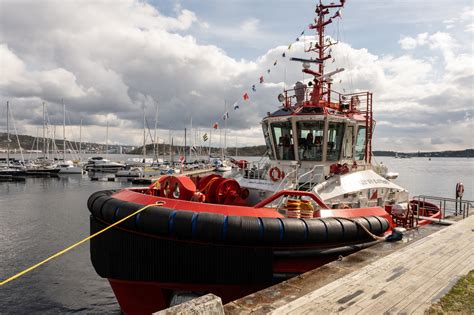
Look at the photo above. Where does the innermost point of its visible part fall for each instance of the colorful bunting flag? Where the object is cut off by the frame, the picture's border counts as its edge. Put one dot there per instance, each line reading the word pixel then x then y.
pixel 216 125
pixel 261 79
pixel 246 97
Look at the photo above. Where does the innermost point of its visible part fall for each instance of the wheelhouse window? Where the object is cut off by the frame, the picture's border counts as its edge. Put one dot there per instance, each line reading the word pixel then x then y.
pixel 267 140
pixel 283 139
pixel 335 134
pixel 360 144
pixel 310 140
pixel 348 142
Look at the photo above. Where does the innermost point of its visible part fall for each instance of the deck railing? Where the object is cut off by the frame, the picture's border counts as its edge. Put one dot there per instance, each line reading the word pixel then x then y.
pixel 447 206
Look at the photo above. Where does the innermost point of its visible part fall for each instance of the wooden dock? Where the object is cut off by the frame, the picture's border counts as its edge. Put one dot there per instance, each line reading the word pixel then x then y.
pixel 406 281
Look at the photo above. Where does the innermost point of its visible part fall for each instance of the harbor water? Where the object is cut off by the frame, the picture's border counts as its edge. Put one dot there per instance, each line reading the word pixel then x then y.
pixel 45 215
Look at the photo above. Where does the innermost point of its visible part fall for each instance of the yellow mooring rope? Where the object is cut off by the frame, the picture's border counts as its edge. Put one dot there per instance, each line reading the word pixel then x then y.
pixel 75 245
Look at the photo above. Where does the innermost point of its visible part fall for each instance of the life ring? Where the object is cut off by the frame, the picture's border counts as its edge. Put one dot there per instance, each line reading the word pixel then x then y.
pixel 459 190
pixel 276 174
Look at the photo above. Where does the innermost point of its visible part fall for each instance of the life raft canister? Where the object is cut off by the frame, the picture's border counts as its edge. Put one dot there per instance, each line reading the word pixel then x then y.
pixel 459 190
pixel 276 174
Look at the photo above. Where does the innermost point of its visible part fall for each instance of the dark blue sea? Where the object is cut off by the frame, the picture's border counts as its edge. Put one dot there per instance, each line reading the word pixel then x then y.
pixel 45 215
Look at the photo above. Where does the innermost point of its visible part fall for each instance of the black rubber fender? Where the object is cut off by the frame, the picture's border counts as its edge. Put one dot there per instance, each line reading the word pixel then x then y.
pixel 295 231
pixel 98 204
pixel 334 230
pixel 93 197
pixel 273 231
pixel 317 231
pixel 214 227
pixel 109 208
pixel 349 227
pixel 243 229
pixel 208 226
pixel 154 220
pixel 124 210
pixel 181 224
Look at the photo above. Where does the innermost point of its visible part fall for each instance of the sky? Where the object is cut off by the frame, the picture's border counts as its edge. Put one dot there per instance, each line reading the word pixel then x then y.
pixel 189 60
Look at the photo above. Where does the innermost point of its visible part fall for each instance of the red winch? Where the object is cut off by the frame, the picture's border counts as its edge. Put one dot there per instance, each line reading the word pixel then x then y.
pixel 210 189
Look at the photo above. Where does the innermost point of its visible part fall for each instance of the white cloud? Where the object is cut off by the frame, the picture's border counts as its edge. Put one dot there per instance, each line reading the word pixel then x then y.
pixel 250 25
pixel 107 62
pixel 408 43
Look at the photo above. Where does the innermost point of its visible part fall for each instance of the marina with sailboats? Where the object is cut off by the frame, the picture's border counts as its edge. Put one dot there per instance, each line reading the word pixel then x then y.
pixel 345 191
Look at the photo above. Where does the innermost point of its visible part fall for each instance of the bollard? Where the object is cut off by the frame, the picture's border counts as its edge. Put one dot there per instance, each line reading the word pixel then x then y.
pixel 459 194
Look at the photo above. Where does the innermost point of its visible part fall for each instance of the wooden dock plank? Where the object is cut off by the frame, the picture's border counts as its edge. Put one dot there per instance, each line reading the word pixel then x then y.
pixel 407 281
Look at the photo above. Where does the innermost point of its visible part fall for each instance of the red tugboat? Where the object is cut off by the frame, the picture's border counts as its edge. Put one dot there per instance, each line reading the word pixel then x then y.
pixel 317 197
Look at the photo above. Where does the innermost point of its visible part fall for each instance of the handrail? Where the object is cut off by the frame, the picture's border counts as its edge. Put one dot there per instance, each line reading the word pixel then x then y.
pixel 460 206
pixel 272 198
pixel 311 178
pixel 286 178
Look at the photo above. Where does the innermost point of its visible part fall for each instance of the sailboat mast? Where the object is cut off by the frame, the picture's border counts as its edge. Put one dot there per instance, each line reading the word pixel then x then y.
pixel 155 140
pixel 144 136
pixel 80 141
pixel 107 140
pixel 8 135
pixel 225 129
pixel 185 144
pixel 44 136
pixel 64 131
pixel 210 140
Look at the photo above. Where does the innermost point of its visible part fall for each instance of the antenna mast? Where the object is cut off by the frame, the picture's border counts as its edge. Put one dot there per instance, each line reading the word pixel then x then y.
pixel 322 85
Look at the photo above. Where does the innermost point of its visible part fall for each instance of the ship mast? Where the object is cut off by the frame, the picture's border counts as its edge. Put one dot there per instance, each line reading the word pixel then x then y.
pixel 322 83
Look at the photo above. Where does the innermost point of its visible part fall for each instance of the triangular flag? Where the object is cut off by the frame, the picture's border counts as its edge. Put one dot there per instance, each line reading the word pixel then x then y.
pixel 226 116
pixel 246 97
pixel 253 88
pixel 215 126
pixel 261 79
pixel 236 106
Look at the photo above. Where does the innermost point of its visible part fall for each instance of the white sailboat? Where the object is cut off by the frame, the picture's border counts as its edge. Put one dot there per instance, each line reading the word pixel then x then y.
pixel 67 167
pixel 224 165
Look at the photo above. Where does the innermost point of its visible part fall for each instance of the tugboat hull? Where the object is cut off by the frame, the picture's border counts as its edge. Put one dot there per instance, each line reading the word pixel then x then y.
pixel 163 250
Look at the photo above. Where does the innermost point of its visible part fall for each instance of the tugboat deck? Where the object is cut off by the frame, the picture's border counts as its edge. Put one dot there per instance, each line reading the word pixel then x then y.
pixel 408 280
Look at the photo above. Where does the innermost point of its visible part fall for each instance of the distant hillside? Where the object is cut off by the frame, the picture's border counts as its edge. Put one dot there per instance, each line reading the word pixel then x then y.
pixel 468 153
pixel 30 143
